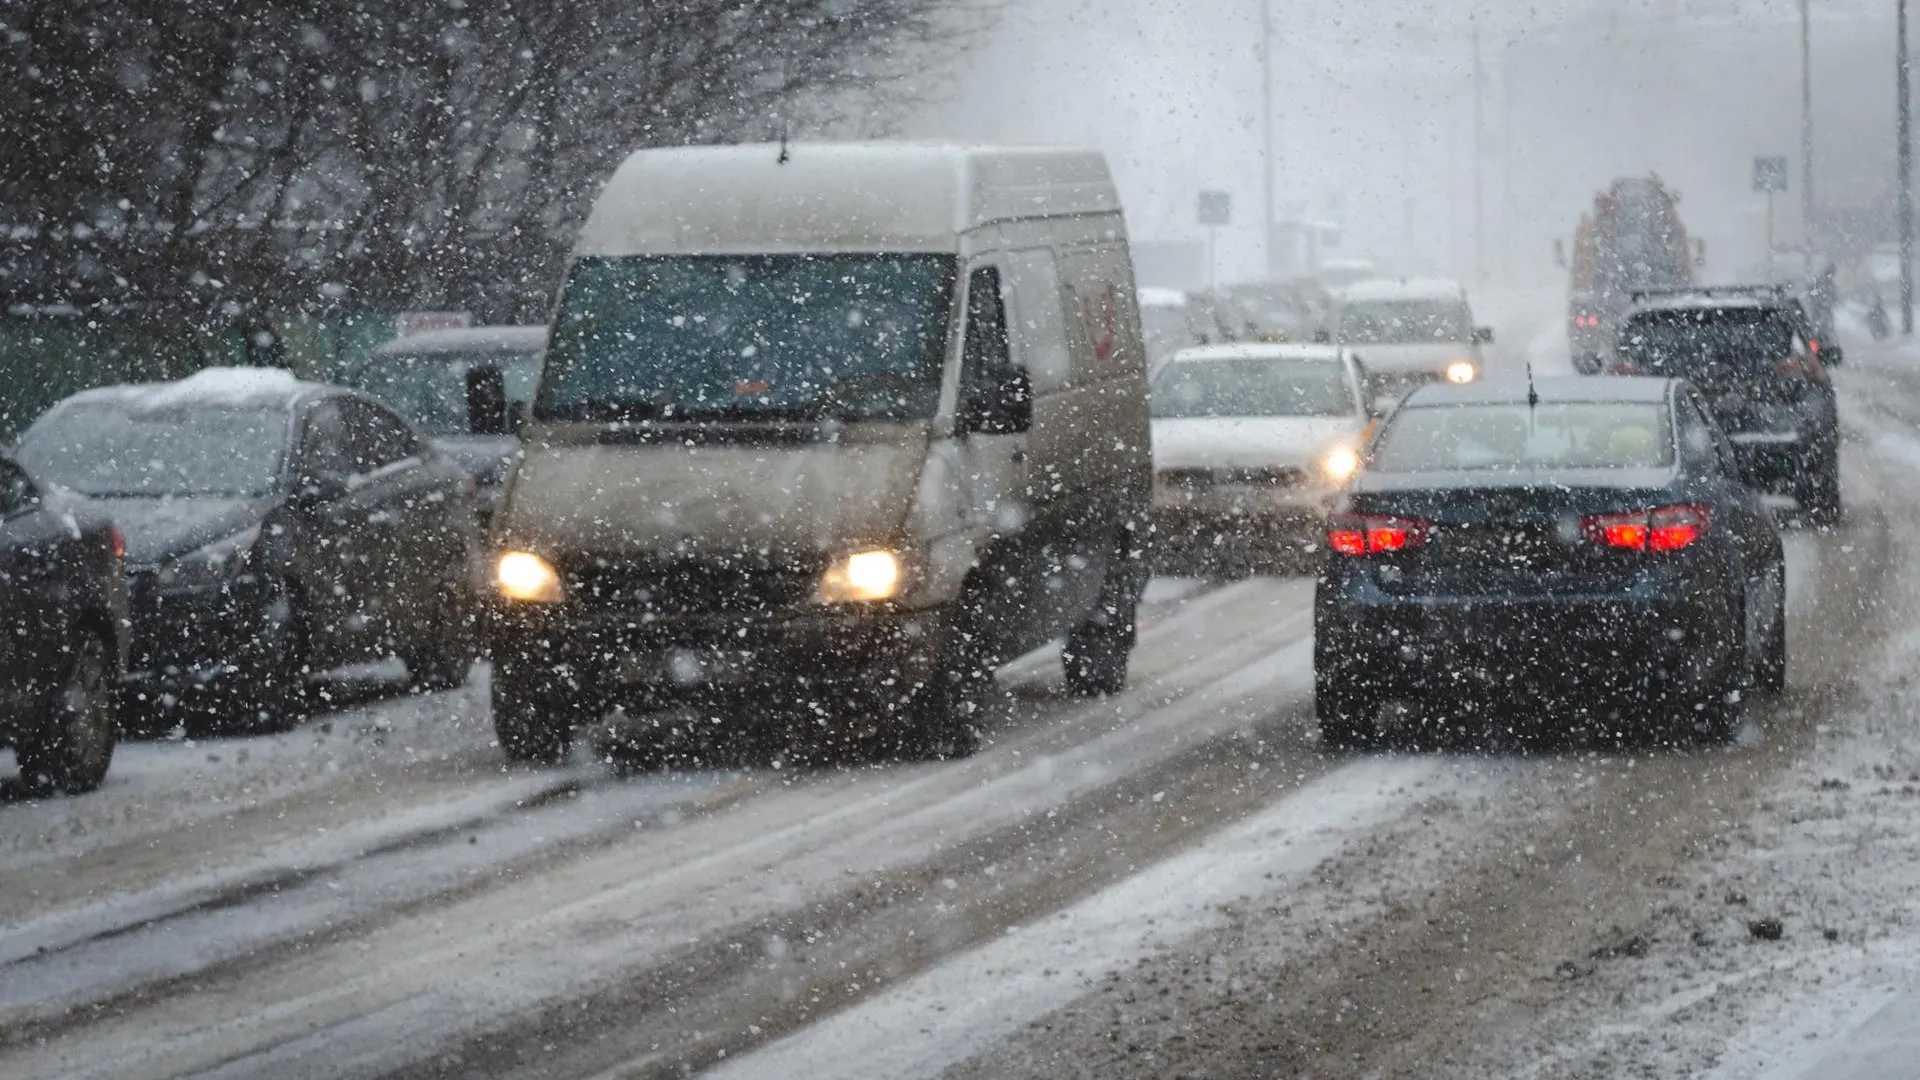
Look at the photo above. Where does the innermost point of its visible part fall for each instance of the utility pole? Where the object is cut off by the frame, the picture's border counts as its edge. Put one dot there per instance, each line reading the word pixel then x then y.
pixel 1266 100
pixel 1479 165
pixel 1903 199
pixel 1806 128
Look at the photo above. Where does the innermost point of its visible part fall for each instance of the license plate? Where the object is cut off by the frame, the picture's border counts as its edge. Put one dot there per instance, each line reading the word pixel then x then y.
pixel 686 667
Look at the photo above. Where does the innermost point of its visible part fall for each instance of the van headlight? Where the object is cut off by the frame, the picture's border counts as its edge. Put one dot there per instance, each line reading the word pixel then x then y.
pixel 1462 371
pixel 862 577
pixel 1340 463
pixel 524 576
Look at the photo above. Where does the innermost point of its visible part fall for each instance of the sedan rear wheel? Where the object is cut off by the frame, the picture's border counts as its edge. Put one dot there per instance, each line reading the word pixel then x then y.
pixel 74 747
pixel 1770 671
pixel 1348 711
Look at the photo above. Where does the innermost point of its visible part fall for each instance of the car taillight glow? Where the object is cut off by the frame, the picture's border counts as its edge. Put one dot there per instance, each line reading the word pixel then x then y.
pixel 1374 534
pixel 118 541
pixel 1664 528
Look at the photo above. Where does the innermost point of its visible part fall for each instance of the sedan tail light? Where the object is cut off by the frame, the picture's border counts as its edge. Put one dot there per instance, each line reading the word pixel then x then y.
pixel 117 540
pixel 1665 528
pixel 1374 534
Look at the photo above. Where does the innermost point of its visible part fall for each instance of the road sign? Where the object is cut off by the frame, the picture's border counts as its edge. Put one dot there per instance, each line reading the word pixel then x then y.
pixel 1770 174
pixel 1216 208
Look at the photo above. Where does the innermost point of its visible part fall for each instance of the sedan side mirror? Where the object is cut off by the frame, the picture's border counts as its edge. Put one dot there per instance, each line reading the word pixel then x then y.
pixel 1004 408
pixel 1323 336
pixel 487 402
pixel 1483 335
pixel 1831 355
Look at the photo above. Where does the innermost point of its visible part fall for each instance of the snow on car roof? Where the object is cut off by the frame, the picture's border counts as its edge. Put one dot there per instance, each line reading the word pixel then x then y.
pixel 851 196
pixel 1156 296
pixel 210 388
pixel 1256 350
pixel 469 339
pixel 1402 289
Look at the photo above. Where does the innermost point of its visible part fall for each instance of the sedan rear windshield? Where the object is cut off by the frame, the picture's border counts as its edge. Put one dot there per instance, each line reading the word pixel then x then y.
pixel 1708 345
pixel 1405 322
pixel 110 449
pixel 1193 388
pixel 1513 437
pixel 689 337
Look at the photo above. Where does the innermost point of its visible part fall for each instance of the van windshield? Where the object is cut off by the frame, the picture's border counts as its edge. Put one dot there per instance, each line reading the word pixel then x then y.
pixel 763 337
pixel 1405 322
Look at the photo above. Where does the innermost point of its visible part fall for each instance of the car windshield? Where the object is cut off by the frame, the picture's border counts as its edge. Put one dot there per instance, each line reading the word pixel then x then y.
pixel 855 337
pixel 1582 435
pixel 113 449
pixel 1709 344
pixel 1251 387
pixel 1405 322
pixel 430 389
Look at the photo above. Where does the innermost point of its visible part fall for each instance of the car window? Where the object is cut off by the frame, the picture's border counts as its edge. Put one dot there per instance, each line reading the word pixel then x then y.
pixel 376 438
pixel 1714 441
pixel 1251 387
pixel 1573 435
pixel 988 356
pixel 430 389
pixel 324 448
pixel 1405 322
pixel 16 491
pixel 1710 346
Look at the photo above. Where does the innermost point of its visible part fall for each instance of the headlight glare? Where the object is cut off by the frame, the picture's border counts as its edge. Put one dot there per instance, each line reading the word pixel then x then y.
pixel 1340 463
pixel 522 575
pixel 1462 371
pixel 862 577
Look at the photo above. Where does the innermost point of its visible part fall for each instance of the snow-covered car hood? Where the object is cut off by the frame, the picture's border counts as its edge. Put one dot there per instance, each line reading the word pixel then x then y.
pixel 1248 441
pixel 1401 359
pixel 574 492
pixel 161 529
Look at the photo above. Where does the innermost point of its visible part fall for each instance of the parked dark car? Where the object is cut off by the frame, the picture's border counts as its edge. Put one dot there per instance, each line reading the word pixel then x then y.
pixel 442 381
pixel 1761 365
pixel 63 642
pixel 1593 546
pixel 274 528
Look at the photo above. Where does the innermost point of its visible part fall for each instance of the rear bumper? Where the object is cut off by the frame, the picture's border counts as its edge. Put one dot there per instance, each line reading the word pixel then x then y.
pixel 1291 515
pixel 1547 646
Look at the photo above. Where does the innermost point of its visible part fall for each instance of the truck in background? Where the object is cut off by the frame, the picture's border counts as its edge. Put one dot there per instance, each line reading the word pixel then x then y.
pixel 1631 240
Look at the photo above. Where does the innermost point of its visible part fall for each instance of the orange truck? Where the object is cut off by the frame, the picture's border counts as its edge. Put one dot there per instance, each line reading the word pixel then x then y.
pixel 1631 240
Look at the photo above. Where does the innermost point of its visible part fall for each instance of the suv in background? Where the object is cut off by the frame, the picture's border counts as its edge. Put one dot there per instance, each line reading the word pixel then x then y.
pixel 1759 363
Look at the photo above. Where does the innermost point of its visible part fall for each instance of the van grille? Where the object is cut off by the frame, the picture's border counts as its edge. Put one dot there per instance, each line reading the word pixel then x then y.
pixel 693 585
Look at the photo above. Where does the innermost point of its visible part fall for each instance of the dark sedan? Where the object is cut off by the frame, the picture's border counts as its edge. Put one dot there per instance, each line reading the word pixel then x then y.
pixel 63 608
pixel 274 528
pixel 1592 545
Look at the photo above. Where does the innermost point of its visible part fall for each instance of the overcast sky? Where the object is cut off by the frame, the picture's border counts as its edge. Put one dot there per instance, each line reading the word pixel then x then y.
pixel 1373 112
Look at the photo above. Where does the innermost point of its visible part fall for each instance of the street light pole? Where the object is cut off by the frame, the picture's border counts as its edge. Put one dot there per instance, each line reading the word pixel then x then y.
pixel 1266 98
pixel 1806 126
pixel 1903 198
pixel 1479 165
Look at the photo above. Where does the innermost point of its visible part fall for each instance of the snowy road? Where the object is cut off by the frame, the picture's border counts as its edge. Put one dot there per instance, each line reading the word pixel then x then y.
pixel 1174 882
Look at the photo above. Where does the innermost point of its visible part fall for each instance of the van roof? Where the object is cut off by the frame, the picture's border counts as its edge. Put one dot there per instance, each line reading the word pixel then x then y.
pixel 1402 289
pixel 866 196
pixel 1256 350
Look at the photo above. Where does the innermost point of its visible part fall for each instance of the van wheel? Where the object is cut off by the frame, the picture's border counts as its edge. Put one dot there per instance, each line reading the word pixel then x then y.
pixel 944 715
pixel 531 727
pixel 74 746
pixel 1096 655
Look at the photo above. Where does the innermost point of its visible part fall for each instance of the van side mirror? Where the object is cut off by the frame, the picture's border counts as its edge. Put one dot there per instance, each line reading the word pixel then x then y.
pixel 1002 408
pixel 487 402
pixel 1483 335
pixel 1560 254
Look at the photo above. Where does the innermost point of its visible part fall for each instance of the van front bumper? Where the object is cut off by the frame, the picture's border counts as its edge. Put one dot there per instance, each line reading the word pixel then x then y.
pixel 617 659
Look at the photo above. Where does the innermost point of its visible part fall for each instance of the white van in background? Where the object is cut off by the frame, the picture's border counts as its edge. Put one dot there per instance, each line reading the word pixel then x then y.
pixel 836 426
pixel 1409 331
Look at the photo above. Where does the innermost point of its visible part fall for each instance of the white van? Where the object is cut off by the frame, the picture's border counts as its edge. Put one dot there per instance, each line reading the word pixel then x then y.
pixel 842 426
pixel 1410 331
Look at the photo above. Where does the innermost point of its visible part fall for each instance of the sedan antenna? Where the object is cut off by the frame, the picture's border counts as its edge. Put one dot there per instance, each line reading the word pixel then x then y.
pixel 1533 396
